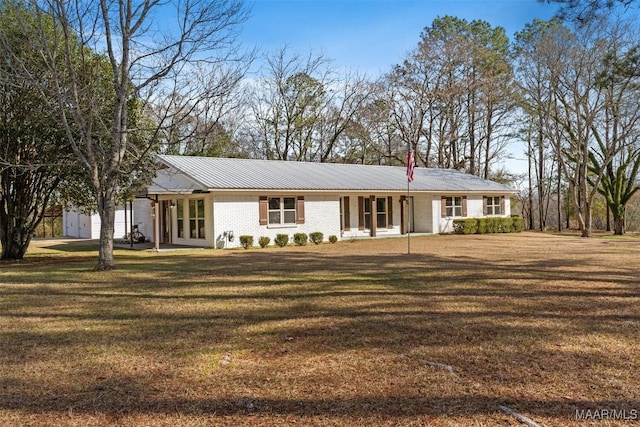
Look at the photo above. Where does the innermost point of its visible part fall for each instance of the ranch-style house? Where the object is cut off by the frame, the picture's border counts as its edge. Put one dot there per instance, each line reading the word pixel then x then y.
pixel 210 202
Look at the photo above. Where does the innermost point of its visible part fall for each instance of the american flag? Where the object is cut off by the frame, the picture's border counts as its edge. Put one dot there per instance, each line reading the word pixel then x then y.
pixel 410 165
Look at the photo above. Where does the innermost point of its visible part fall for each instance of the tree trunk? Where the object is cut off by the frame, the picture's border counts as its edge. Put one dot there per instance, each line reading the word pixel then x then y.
pixel 618 221
pixel 14 239
pixel 559 200
pixel 107 214
pixel 585 221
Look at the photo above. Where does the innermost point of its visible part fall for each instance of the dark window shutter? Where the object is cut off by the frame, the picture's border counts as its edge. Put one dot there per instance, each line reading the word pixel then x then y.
pixel 262 207
pixel 389 212
pixel 300 210
pixel 373 215
pixel 485 202
pixel 502 212
pixel 346 213
pixel 403 213
pixel 360 213
pixel 443 206
pixel 464 205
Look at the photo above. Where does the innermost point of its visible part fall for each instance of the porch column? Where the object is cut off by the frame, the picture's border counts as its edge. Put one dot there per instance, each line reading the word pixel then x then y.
pixel 156 225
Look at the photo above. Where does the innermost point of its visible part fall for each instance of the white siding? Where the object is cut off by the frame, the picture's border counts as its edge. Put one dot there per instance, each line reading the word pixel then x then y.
pixel 209 238
pixel 143 216
pixel 475 209
pixel 235 214
pixel 354 218
pixel 239 214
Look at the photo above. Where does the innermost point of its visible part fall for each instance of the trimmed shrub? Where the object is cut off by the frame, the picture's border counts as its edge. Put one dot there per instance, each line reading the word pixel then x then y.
pixel 511 224
pixel 483 225
pixel 517 224
pixel 264 241
pixel 300 239
pixel 316 237
pixel 465 226
pixel 333 238
pixel 246 241
pixel 505 225
pixel 493 225
pixel 281 240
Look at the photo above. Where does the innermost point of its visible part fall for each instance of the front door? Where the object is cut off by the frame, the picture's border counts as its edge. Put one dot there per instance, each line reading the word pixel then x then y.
pixel 406 214
pixel 165 222
pixel 410 214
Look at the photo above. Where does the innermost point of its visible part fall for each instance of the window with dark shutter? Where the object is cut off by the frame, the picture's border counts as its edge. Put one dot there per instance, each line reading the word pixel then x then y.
pixel 300 210
pixel 263 206
pixel 371 214
pixel 346 213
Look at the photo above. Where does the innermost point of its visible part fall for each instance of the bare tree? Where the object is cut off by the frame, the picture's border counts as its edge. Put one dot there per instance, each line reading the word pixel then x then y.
pixel 302 108
pixel 147 46
pixel 199 119
pixel 452 95
pixel 535 96
pixel 587 113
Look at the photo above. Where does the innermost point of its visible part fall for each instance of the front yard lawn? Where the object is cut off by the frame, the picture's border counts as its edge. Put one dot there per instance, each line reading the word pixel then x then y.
pixel 353 333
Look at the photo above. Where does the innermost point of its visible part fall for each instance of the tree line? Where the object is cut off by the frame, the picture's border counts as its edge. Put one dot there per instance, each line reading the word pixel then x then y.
pixel 93 89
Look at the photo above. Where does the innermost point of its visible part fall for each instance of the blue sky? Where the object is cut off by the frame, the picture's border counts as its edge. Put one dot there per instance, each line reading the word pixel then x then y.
pixel 371 35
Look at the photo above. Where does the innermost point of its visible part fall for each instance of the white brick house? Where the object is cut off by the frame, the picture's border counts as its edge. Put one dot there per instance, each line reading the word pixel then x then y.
pixel 205 201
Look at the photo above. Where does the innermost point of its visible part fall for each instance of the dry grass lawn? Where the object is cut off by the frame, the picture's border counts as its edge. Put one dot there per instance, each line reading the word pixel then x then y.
pixel 349 334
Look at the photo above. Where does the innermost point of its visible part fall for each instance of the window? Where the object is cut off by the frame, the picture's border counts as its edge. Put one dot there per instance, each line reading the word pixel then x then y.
pixel 381 212
pixel 196 218
pixel 453 206
pixel 374 213
pixel 494 205
pixel 345 219
pixel 367 213
pixel 180 216
pixel 282 210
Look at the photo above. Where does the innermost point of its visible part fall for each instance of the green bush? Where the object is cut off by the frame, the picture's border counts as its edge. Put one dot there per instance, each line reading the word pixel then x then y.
pixel 488 225
pixel 333 238
pixel 264 241
pixel 517 224
pixel 246 241
pixel 505 225
pixel 483 225
pixel 316 237
pixel 281 240
pixel 300 239
pixel 465 226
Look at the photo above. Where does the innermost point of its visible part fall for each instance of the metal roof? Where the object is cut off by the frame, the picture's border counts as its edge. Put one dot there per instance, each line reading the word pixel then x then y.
pixel 214 173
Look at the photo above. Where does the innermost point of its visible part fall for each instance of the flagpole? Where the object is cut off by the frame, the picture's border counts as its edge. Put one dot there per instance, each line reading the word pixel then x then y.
pixel 408 220
pixel 410 166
